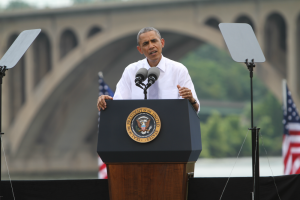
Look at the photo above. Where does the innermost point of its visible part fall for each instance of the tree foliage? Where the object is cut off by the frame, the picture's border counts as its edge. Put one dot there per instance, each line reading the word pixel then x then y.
pixel 14 5
pixel 223 136
pixel 217 77
pixel 84 1
pixel 268 116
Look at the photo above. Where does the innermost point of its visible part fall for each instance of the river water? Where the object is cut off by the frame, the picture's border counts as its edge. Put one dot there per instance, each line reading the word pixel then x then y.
pixel 222 167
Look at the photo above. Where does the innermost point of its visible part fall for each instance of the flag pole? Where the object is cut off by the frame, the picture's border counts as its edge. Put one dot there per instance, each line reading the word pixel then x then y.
pixel 100 74
pixel 102 169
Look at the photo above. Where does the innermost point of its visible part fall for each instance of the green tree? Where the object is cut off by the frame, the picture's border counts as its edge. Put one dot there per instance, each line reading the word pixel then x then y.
pixel 268 117
pixel 83 1
pixel 92 1
pixel 223 136
pixel 14 5
pixel 216 76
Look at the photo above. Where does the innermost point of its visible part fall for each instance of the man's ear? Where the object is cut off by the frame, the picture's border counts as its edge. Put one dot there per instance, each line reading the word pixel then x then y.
pixel 162 42
pixel 139 49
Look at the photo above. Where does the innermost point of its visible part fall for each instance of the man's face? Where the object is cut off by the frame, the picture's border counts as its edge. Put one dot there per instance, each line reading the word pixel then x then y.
pixel 151 45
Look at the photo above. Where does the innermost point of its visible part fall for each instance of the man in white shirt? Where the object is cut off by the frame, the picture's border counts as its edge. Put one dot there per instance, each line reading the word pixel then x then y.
pixel 174 81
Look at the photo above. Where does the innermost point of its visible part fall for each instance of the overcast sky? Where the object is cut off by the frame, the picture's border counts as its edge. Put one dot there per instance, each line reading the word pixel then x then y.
pixel 41 3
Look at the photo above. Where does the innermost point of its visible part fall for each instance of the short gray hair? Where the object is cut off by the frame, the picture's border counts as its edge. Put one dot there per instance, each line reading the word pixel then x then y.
pixel 145 30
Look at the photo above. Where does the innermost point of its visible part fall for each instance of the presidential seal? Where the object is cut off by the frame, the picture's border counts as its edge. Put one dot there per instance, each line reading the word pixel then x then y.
pixel 143 125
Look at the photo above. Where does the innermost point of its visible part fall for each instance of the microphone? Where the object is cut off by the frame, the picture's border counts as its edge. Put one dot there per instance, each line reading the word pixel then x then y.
pixel 140 76
pixel 153 74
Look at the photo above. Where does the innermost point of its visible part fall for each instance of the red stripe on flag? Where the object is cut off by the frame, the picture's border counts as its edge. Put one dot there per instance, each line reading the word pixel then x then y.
pixel 291 145
pixel 102 171
pixel 291 132
pixel 102 167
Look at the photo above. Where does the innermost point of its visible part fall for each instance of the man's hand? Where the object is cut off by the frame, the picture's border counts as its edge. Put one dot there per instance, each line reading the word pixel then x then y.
pixel 186 93
pixel 101 104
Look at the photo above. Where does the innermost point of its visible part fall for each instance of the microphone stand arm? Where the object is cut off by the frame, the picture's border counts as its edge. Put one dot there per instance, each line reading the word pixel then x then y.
pixel 145 93
pixel 139 85
pixel 151 80
pixel 143 88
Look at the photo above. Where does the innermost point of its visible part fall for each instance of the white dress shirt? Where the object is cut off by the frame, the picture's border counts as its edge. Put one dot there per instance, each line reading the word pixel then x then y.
pixel 171 74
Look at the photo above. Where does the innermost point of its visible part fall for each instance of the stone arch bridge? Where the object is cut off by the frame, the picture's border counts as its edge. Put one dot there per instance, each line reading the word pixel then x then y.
pixel 49 98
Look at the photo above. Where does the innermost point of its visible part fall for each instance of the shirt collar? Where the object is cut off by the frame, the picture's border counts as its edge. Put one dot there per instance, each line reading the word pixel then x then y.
pixel 161 65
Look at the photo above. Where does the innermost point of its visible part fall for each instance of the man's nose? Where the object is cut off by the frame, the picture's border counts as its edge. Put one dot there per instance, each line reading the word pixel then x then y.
pixel 151 45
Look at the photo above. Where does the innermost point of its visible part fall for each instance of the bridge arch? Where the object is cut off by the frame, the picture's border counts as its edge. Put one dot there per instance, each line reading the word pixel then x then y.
pixel 42 57
pixel 76 74
pixel 93 31
pixel 16 82
pixel 68 41
pixel 275 35
pixel 245 19
pixel 213 22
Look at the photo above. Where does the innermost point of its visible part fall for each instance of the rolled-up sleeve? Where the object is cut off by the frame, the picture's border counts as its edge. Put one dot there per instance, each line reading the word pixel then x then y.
pixel 123 90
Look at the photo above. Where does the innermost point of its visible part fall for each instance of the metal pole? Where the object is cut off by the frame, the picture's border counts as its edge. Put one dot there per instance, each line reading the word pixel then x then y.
pixel 255 148
pixel 2 74
pixel 1 134
pixel 251 88
pixel 255 139
pixel 255 132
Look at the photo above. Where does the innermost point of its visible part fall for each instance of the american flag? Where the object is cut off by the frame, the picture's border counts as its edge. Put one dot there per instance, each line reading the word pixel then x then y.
pixel 103 90
pixel 291 137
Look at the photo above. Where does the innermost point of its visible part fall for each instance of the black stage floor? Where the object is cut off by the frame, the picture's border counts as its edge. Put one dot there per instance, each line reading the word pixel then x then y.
pixel 238 188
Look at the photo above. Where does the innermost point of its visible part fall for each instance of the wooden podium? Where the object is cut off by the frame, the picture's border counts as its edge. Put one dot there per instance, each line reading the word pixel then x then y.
pixel 156 170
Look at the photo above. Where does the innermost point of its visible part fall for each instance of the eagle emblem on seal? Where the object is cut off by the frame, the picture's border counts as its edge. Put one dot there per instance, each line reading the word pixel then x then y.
pixel 143 124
